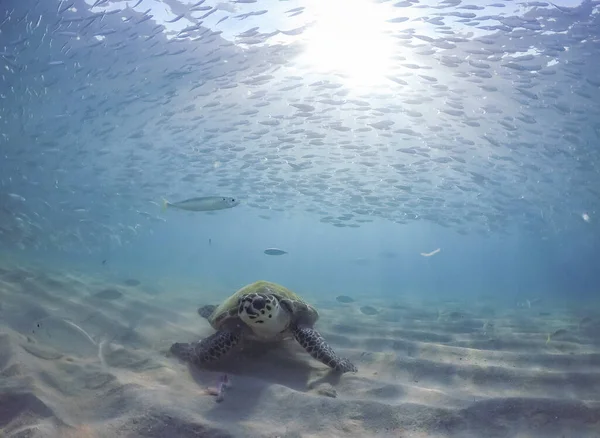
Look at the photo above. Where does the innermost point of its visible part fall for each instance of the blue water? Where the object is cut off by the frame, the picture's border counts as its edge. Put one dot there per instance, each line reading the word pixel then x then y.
pixel 359 136
pixel 379 259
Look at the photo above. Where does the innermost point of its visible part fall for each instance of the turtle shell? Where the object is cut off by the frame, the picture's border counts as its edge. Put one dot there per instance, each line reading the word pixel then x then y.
pixel 226 314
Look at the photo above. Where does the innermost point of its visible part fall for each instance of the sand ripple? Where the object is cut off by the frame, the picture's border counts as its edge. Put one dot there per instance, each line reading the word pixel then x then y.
pixel 75 364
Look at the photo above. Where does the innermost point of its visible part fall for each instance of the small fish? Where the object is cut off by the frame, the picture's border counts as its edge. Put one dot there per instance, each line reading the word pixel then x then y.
pixel 563 9
pixel 556 333
pixel 17 197
pixel 179 17
pixel 206 203
pixel 274 251
pixel 429 254
pixel 369 310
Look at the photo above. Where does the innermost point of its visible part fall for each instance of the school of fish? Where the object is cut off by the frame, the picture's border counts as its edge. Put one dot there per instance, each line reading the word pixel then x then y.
pixel 488 120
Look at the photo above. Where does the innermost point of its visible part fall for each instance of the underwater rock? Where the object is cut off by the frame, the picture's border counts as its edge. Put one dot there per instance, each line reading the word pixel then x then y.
pixel 344 299
pixel 369 310
pixel 108 294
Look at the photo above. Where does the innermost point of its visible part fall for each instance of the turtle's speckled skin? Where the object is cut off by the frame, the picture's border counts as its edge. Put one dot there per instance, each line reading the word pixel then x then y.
pixel 262 311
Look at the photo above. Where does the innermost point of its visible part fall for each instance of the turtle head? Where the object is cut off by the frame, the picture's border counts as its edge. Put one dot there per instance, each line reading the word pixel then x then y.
pixel 263 313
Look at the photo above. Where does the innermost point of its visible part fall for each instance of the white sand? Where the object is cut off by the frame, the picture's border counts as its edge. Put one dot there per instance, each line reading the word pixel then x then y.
pixel 73 364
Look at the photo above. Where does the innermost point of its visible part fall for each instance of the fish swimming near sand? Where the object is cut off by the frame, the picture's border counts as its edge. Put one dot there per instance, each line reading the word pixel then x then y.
pixel 556 333
pixel 206 203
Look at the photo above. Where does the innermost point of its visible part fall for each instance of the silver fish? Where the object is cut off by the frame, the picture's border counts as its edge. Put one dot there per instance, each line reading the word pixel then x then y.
pixel 274 251
pixel 206 203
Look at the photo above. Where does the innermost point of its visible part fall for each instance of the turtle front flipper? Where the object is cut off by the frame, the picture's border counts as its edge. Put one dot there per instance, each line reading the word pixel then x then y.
pixel 315 345
pixel 206 311
pixel 207 350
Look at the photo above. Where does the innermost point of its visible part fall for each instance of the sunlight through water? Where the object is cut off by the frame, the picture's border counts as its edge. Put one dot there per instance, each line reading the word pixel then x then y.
pixel 349 38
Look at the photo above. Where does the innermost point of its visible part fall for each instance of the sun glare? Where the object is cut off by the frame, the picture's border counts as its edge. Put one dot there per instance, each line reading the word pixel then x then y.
pixel 349 38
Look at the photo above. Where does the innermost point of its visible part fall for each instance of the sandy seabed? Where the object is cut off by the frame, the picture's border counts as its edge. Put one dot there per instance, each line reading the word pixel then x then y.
pixel 82 356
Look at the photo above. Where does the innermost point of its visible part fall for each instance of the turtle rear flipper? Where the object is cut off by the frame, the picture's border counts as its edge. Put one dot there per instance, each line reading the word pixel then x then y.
pixel 207 350
pixel 315 345
pixel 182 350
pixel 206 311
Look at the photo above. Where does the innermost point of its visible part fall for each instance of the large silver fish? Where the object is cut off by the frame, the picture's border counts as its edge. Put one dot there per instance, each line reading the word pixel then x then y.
pixel 206 203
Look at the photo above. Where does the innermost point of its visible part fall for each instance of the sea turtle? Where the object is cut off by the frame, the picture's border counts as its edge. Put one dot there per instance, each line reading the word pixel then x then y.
pixel 261 311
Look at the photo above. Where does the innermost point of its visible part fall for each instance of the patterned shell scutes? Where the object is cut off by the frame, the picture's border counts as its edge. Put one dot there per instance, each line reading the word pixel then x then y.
pixel 228 310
